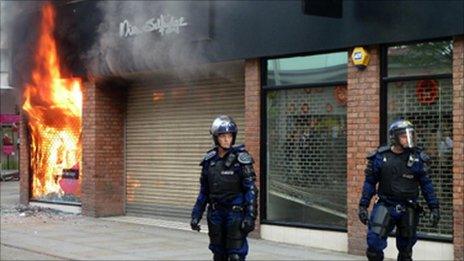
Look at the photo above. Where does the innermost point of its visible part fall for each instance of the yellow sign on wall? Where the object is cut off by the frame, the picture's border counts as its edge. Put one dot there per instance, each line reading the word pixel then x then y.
pixel 360 57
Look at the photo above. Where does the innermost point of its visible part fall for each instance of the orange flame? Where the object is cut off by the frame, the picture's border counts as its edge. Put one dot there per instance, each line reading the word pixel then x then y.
pixel 54 107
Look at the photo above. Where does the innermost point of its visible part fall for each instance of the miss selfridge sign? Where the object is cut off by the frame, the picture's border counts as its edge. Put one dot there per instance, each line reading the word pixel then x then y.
pixel 159 20
pixel 164 24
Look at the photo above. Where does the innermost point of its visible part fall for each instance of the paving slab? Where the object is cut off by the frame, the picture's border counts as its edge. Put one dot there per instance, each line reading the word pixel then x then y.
pixel 47 235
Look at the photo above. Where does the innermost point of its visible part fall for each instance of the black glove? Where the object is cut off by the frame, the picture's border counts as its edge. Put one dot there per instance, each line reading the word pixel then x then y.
pixel 363 214
pixel 194 224
pixel 248 225
pixel 434 216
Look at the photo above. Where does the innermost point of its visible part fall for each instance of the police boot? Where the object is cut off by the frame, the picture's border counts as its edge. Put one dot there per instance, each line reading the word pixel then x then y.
pixel 374 256
pixel 405 256
pixel 235 257
pixel 219 257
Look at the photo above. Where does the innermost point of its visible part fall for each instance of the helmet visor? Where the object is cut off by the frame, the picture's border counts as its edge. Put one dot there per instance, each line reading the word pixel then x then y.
pixel 411 138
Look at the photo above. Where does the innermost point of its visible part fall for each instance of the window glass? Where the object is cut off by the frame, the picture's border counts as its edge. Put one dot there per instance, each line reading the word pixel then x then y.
pixel 4 60
pixel 428 104
pixel 307 69
pixel 420 59
pixel 306 156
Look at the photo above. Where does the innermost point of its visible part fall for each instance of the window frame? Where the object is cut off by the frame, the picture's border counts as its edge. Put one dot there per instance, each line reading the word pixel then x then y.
pixel 384 81
pixel 263 151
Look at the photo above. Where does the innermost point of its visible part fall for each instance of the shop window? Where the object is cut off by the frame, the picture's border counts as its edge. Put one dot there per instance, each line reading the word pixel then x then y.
pixel 420 59
pixel 306 152
pixel 423 95
pixel 9 150
pixel 307 69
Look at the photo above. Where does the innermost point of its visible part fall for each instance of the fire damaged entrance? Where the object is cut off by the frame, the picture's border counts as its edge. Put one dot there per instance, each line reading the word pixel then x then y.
pixel 127 144
pixel 53 108
pixel 72 128
pixel 167 134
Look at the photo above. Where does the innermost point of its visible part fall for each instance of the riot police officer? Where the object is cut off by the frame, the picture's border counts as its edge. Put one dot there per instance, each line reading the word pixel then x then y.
pixel 227 186
pixel 399 170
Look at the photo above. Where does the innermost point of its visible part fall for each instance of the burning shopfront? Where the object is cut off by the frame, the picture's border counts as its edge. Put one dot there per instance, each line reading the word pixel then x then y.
pixel 126 136
pixel 117 107
pixel 53 107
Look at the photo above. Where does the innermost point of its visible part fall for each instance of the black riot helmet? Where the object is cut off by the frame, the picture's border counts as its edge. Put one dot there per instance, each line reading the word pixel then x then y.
pixel 401 127
pixel 223 124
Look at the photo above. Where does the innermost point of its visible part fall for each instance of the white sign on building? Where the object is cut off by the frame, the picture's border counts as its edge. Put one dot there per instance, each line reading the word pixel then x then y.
pixel 164 24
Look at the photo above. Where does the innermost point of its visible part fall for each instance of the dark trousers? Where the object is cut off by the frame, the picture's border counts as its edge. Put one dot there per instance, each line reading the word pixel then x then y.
pixel 225 235
pixel 383 219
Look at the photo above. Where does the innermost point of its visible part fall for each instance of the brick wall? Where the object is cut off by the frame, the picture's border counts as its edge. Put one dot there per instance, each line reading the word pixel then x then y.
pixel 103 184
pixel 24 162
pixel 253 117
pixel 362 137
pixel 458 147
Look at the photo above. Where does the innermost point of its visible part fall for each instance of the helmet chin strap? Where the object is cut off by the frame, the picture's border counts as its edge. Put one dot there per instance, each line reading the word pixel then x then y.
pixel 406 147
pixel 398 148
pixel 222 151
pixel 223 147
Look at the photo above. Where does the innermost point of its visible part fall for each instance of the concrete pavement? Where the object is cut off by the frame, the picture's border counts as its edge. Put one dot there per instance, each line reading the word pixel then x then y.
pixel 42 234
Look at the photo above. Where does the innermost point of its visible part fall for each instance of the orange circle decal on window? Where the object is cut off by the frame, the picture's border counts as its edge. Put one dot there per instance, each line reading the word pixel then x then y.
pixel 341 94
pixel 427 91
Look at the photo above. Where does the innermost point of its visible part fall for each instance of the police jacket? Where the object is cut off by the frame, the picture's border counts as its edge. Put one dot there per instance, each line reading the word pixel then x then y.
pixel 227 182
pixel 399 177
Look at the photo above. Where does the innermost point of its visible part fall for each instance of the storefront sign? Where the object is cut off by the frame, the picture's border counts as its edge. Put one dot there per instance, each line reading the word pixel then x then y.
pixel 8 149
pixel 164 20
pixel 164 24
pixel 9 118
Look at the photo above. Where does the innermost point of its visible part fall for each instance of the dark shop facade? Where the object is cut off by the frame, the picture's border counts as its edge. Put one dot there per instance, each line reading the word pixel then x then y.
pixel 312 88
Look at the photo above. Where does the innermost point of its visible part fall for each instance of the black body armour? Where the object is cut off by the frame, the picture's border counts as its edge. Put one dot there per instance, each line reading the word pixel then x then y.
pixel 224 179
pixel 396 178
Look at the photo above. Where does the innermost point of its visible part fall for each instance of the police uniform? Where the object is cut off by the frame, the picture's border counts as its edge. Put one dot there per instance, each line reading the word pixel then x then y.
pixel 227 188
pixel 399 177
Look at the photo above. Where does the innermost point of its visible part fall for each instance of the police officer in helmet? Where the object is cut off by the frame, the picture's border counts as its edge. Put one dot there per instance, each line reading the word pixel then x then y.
pixel 227 187
pixel 399 169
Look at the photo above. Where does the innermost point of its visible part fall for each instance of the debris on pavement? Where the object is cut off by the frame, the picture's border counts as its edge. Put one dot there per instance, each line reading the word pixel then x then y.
pixel 14 214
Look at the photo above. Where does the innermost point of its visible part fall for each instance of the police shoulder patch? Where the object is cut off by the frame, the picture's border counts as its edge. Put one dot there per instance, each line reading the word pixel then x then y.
pixel 245 158
pixel 210 154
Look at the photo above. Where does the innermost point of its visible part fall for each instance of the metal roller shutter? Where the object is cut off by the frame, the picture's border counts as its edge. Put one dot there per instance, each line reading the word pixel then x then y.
pixel 167 134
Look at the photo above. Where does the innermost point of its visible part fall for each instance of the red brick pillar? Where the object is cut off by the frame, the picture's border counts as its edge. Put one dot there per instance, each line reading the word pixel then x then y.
pixel 24 174
pixel 103 188
pixel 458 148
pixel 253 118
pixel 363 114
